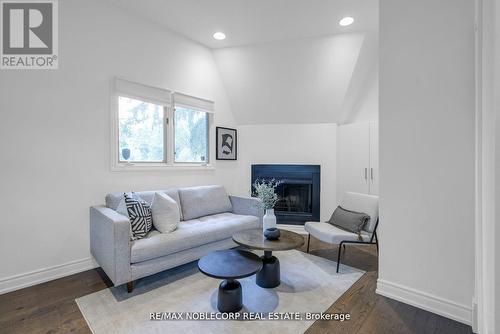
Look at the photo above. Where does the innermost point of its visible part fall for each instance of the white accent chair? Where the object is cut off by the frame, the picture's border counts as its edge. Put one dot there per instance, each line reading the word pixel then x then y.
pixel 328 233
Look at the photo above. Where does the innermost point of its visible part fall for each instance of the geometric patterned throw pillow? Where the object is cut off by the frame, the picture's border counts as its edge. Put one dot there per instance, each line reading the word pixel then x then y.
pixel 140 215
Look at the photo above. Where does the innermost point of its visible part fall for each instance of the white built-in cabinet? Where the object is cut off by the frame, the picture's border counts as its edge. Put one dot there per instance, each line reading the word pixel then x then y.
pixel 357 167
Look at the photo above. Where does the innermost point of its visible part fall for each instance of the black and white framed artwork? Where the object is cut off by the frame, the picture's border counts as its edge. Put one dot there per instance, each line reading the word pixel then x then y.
pixel 226 143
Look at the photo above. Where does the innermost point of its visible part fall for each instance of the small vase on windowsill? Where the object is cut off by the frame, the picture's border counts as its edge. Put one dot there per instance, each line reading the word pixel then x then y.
pixel 269 220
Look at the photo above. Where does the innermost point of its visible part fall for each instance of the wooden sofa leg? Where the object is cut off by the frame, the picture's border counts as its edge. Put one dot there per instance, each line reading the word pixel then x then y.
pixel 308 242
pixel 130 286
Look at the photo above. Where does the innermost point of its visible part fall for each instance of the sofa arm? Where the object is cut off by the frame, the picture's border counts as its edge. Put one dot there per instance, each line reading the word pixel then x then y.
pixel 110 243
pixel 247 206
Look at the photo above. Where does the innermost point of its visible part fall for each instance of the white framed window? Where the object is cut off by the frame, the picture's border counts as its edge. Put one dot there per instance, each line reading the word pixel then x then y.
pixel 154 128
pixel 191 129
pixel 140 130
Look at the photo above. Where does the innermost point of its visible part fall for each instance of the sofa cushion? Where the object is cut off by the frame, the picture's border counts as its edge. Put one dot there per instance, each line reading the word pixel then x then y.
pixel 190 234
pixel 203 201
pixel 331 234
pixel 139 214
pixel 348 220
pixel 362 203
pixel 113 199
pixel 166 215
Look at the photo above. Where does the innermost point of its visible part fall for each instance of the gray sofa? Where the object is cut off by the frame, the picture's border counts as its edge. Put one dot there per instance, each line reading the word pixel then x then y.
pixel 209 218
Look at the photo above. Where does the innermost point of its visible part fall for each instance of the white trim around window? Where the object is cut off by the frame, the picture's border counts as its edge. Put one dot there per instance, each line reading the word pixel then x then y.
pixel 193 102
pixel 164 98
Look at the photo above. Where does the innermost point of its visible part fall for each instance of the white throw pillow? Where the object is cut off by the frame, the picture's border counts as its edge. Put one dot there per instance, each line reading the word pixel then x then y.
pixel 166 217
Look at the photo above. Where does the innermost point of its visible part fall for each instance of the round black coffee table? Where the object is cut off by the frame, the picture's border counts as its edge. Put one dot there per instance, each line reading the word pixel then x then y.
pixel 269 276
pixel 230 265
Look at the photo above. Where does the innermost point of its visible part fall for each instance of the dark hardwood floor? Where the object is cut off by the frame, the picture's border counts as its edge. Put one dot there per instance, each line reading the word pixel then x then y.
pixel 50 307
pixel 372 313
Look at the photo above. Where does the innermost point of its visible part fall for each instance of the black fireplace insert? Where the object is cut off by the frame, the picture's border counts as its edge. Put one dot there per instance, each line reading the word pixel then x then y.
pixel 298 192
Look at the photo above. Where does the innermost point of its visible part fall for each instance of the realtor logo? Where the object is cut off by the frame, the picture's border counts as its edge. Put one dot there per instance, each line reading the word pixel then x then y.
pixel 29 34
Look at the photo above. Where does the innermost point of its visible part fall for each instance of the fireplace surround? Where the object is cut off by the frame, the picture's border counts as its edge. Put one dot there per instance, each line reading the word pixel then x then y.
pixel 299 191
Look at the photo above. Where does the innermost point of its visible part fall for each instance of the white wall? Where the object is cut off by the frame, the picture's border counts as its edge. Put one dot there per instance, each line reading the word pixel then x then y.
pixel 496 104
pixel 291 144
pixel 486 256
pixel 427 154
pixel 299 81
pixel 361 101
pixel 367 104
pixel 54 133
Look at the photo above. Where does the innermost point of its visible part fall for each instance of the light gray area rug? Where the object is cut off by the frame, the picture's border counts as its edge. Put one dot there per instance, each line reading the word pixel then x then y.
pixel 308 284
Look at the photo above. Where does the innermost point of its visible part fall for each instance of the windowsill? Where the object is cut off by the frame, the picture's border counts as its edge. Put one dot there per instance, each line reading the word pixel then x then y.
pixel 124 167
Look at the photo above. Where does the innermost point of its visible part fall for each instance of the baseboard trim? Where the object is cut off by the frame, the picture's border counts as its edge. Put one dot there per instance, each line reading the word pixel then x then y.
pixel 425 301
pixel 31 278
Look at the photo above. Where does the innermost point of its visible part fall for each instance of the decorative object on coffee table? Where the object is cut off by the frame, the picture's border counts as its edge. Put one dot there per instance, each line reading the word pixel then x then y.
pixel 269 220
pixel 230 265
pixel 226 144
pixel 265 191
pixel 272 233
pixel 269 275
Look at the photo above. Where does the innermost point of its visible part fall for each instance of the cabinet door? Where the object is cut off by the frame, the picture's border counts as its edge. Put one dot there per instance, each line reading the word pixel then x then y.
pixel 353 158
pixel 374 180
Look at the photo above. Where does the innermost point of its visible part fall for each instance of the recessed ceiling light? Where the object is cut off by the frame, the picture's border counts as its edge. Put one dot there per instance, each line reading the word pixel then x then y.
pixel 219 36
pixel 345 21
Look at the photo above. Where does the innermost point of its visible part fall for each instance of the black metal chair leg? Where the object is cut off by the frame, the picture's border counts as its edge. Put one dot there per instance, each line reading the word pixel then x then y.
pixel 338 257
pixel 308 242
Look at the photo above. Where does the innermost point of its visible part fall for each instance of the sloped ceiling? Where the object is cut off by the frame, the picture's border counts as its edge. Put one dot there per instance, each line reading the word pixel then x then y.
pixel 247 22
pixel 361 98
pixel 284 61
pixel 301 81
